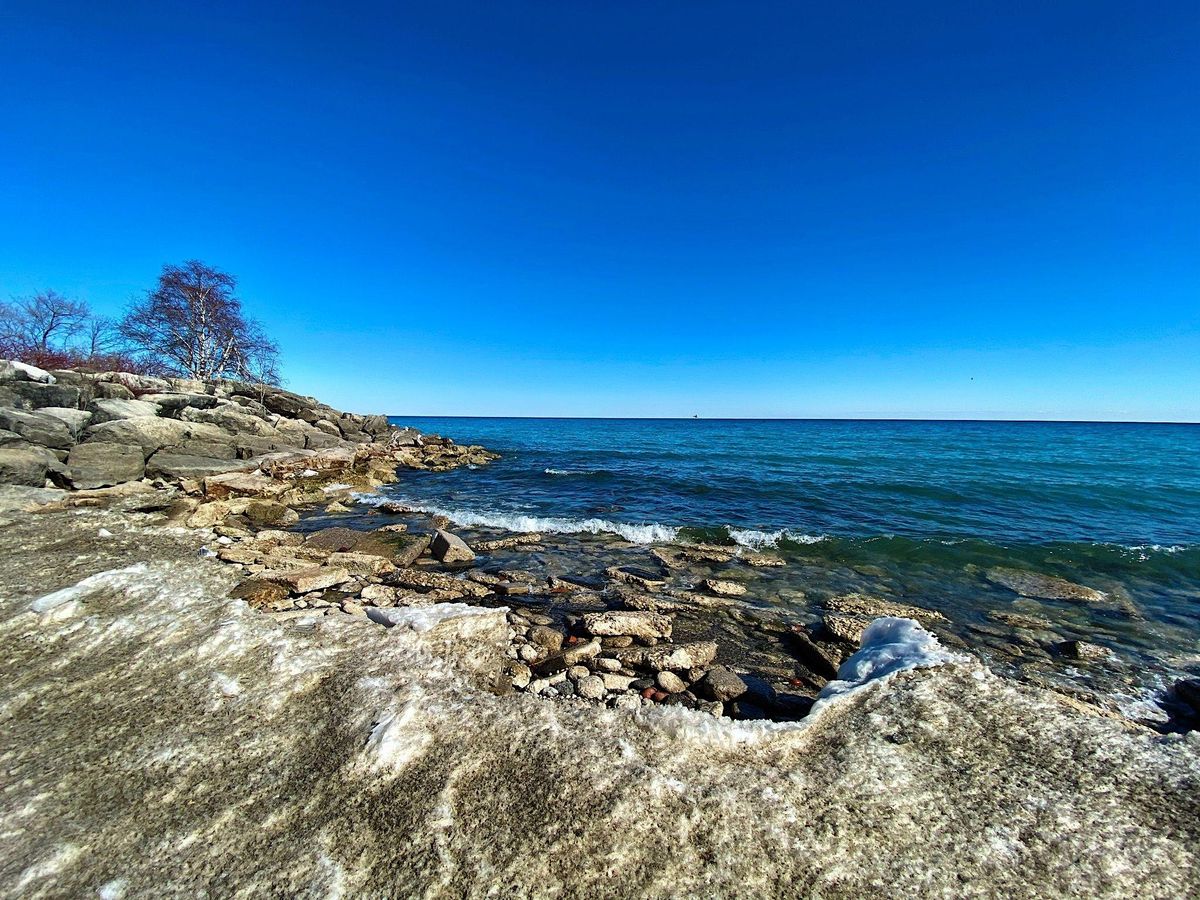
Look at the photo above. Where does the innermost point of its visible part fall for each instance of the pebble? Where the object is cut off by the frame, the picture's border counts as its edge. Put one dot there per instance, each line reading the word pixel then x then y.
pixel 618 641
pixel 575 673
pixel 613 682
pixel 549 639
pixel 721 684
pixel 627 701
pixel 608 664
pixel 528 653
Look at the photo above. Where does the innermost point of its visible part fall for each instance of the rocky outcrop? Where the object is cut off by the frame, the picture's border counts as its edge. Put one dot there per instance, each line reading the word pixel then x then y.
pixel 91 430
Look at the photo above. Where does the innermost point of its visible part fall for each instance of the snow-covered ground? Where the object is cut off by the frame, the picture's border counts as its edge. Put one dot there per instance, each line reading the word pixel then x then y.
pixel 158 739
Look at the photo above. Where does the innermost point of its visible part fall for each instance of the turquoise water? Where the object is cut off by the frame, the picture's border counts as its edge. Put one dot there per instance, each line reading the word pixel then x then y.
pixel 913 510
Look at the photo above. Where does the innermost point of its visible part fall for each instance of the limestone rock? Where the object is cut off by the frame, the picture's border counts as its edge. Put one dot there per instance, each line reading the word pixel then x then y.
pixel 74 419
pixel 1043 587
pixel 570 656
pixel 26 465
pixel 449 547
pixel 37 428
pixel 669 656
pixel 242 484
pixel 592 688
pixel 723 588
pixel 507 543
pixel 315 578
pixel 96 465
pixel 873 607
pixel 171 465
pixel 112 410
pixel 399 548
pixel 269 512
pixel 670 682
pixel 1082 650
pixel 260 593
pixel 634 624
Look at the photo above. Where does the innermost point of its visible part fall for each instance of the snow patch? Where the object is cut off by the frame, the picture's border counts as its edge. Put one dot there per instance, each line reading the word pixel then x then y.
pixel 889 645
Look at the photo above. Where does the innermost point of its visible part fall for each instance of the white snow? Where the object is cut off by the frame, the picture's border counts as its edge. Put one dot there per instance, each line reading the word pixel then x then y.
pixel 889 645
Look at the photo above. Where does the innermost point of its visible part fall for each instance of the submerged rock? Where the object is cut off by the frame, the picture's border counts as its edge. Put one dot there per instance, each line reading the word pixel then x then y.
pixel 1043 587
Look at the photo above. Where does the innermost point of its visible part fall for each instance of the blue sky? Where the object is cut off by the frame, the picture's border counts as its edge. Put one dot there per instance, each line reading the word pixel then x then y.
pixel 609 208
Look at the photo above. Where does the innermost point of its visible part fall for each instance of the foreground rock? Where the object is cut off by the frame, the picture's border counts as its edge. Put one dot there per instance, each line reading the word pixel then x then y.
pixel 171 742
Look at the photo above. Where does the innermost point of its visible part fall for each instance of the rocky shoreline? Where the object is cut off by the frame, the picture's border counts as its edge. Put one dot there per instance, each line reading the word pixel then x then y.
pixel 210 564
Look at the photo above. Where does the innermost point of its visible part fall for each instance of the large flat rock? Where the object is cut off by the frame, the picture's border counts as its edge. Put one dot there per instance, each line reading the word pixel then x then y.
pixel 96 464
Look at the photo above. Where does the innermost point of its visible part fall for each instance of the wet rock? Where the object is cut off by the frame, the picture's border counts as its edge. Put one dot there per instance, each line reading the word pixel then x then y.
pixel 450 548
pixel 762 560
pixel 671 683
pixel 1020 620
pixel 362 564
pixel 510 588
pixel 507 543
pixel 723 588
pixel 436 581
pixel 1082 650
pixel 399 548
pixel 633 624
pixel 647 581
pixel 1043 587
pixel 819 659
pixel 845 628
pixel 873 607
pixel 720 684
pixel 270 513
pixel 618 641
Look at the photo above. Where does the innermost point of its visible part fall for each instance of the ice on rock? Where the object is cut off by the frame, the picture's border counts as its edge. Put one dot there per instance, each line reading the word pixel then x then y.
pixel 115 578
pixel 889 645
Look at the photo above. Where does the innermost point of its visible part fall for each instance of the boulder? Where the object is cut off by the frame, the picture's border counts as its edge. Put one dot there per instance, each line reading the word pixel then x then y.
pixel 35 394
pixel 112 410
pixel 315 578
pixel 11 370
pixel 111 390
pixel 27 465
pixel 285 403
pixel 172 402
pixel 37 428
pixel 449 547
pixel 97 465
pixel 154 433
pixel 398 548
pixel 1082 650
pixel 175 466
pixel 634 624
pixel 74 419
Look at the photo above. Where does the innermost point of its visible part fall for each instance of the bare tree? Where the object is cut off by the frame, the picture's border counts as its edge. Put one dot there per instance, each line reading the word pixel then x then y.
pixel 45 323
pixel 192 324
pixel 100 337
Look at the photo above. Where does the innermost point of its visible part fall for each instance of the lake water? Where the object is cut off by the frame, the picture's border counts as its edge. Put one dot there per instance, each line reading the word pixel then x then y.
pixel 914 511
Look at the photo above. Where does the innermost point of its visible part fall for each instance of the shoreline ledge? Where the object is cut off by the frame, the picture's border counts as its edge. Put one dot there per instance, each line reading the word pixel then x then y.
pixel 199 699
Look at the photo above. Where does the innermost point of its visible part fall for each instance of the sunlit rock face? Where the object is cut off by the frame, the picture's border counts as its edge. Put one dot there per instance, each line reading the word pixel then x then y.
pixel 162 739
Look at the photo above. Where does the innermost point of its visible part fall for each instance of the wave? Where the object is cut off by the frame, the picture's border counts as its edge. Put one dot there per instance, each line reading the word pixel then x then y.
pixel 571 472
pixel 636 534
pixel 756 540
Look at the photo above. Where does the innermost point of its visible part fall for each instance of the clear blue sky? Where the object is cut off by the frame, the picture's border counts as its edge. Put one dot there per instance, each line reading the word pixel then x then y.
pixel 591 208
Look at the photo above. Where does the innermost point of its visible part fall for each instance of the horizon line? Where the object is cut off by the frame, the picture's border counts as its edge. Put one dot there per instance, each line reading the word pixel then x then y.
pixel 811 419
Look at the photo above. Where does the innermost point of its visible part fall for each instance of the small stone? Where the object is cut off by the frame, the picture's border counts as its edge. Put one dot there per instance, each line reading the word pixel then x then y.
pixel 592 688
pixel 259 593
pixel 520 674
pixel 352 608
pixel 618 641
pixel 509 588
pixel 577 672
pixel 627 701
pixel 607 664
pixel 671 683
pixel 528 653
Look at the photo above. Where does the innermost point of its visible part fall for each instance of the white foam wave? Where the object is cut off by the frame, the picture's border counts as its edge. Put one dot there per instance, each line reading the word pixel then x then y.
pixel 570 472
pixel 755 540
pixel 470 518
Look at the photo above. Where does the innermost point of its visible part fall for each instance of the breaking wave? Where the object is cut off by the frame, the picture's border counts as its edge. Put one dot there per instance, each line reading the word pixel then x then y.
pixel 755 540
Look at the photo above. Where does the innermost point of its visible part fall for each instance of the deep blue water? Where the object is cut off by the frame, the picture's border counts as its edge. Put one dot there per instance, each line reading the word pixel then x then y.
pixel 1001 482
